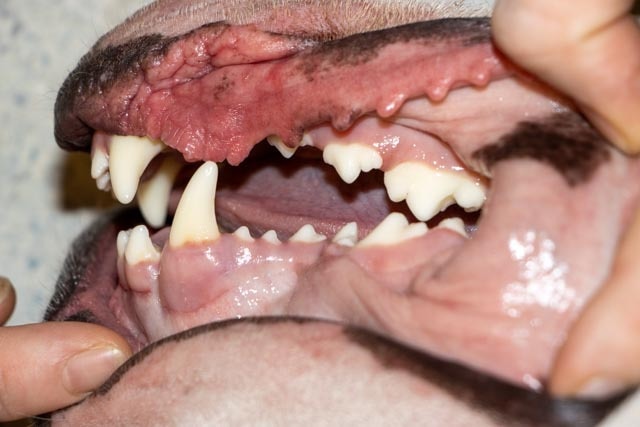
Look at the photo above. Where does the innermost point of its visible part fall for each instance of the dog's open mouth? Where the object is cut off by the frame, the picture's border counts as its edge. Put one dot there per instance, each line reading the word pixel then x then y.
pixel 407 180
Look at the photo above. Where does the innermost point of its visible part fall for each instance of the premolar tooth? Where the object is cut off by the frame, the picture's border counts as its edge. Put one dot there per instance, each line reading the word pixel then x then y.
pixel 271 237
pixel 395 228
pixel 307 234
pixel 454 224
pixel 195 218
pixel 243 234
pixel 129 156
pixel 153 195
pixel 351 159
pixel 348 235
pixel 286 151
pixel 139 247
pixel 429 191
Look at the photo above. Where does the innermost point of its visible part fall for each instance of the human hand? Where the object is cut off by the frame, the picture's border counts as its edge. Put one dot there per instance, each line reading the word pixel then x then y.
pixel 591 52
pixel 48 366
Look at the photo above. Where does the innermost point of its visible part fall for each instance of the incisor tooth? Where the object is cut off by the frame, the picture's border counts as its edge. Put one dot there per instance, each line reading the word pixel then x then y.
pixel 271 237
pixel 121 242
pixel 351 159
pixel 153 195
pixel 395 228
pixel 243 234
pixel 140 248
pixel 348 235
pixel 99 161
pixel 286 151
pixel 307 234
pixel 195 218
pixel 429 191
pixel 129 156
pixel 454 224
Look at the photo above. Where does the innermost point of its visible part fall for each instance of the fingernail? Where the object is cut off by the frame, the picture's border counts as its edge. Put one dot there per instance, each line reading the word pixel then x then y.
pixel 5 288
pixel 599 388
pixel 86 371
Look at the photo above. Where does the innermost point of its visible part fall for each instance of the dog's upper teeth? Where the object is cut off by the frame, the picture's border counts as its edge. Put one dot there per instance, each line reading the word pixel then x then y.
pixel 307 234
pixel 99 161
pixel 139 247
pixel 195 219
pixel 153 195
pixel 351 159
pixel 286 151
pixel 429 191
pixel 454 224
pixel 348 235
pixel 394 229
pixel 272 237
pixel 129 156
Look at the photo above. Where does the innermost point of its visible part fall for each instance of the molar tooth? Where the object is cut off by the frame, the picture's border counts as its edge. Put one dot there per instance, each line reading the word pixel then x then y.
pixel 153 195
pixel 271 237
pixel 129 156
pixel 243 234
pixel 140 248
pixel 454 224
pixel 195 218
pixel 351 159
pixel 286 151
pixel 307 234
pixel 348 235
pixel 429 191
pixel 394 229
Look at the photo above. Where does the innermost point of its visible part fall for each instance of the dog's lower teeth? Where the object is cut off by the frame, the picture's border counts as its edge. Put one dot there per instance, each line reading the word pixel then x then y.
pixel 307 234
pixel 271 237
pixel 454 224
pixel 139 247
pixel 195 219
pixel 394 229
pixel 348 235
pixel 243 234
pixel 129 156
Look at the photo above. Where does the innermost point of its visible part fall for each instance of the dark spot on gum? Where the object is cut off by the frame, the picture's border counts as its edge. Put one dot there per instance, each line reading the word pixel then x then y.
pixel 564 141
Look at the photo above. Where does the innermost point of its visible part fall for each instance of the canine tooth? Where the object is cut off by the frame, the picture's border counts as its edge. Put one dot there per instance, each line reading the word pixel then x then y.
pixel 243 234
pixel 121 242
pixel 286 151
pixel 395 228
pixel 351 159
pixel 454 224
pixel 271 237
pixel 153 195
pixel 140 248
pixel 307 234
pixel 429 191
pixel 195 218
pixel 129 156
pixel 348 235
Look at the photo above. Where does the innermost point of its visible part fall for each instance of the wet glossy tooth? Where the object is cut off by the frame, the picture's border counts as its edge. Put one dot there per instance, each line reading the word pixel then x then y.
pixel 271 237
pixel 99 162
pixel 121 242
pixel 351 159
pixel 140 248
pixel 429 191
pixel 195 218
pixel 103 182
pixel 153 195
pixel 454 224
pixel 348 235
pixel 129 156
pixel 243 234
pixel 307 234
pixel 394 229
pixel 286 151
